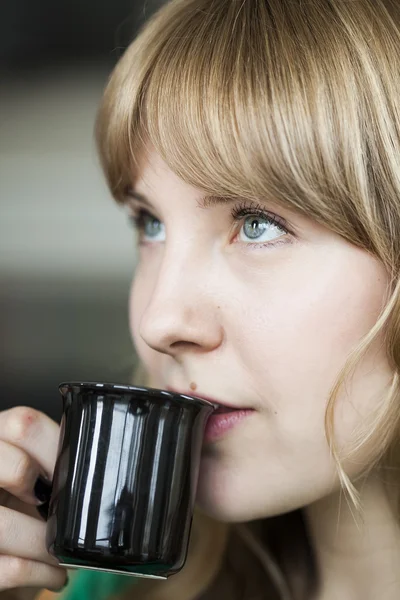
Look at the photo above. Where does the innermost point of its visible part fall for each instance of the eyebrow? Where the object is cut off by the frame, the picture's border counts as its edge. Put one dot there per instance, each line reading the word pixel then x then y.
pixel 206 201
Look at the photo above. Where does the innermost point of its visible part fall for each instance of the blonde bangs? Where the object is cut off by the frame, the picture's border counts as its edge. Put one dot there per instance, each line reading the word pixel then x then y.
pixel 261 100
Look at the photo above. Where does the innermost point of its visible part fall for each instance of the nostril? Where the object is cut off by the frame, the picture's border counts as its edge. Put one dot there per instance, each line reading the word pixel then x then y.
pixel 170 327
pixel 183 345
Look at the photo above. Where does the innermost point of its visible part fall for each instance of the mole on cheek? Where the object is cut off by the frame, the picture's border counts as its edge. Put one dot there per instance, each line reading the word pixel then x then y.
pixel 193 386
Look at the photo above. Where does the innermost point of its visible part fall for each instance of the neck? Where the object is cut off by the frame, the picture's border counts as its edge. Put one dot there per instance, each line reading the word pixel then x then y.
pixel 358 555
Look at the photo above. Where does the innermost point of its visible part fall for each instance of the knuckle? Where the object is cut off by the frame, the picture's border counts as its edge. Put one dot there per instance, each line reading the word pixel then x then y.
pixel 21 421
pixel 13 571
pixel 4 523
pixel 21 470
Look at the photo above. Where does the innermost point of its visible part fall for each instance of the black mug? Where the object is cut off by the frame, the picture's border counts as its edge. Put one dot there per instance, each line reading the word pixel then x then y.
pixel 125 479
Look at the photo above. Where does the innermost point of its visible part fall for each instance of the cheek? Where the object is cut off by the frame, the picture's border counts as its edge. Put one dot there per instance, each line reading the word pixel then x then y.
pixel 136 309
pixel 299 334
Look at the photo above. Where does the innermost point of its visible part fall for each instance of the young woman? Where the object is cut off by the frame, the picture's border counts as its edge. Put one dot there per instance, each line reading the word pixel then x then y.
pixel 256 146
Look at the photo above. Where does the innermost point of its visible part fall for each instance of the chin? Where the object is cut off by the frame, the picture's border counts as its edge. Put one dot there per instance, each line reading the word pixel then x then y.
pixel 233 496
pixel 222 496
pixel 218 511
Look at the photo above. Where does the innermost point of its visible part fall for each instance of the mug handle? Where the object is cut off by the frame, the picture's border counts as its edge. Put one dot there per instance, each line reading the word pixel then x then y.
pixel 46 489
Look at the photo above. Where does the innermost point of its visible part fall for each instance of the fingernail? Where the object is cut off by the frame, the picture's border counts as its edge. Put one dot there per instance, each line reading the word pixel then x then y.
pixel 42 489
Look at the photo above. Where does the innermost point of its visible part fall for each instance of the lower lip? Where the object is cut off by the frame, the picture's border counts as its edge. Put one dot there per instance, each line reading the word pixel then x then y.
pixel 218 424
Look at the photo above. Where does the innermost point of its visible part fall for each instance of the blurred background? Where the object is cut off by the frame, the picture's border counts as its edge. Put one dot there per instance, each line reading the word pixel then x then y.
pixel 66 249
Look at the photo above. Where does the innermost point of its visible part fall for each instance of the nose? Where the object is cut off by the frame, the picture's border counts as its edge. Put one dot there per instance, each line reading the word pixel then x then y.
pixel 182 314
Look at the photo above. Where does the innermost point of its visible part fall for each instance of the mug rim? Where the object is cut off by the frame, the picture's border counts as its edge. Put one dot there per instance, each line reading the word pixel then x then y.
pixel 120 388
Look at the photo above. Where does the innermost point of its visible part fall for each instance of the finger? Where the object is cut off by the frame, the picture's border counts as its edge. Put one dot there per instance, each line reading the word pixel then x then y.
pixel 19 473
pixel 20 572
pixel 23 536
pixel 18 505
pixel 34 432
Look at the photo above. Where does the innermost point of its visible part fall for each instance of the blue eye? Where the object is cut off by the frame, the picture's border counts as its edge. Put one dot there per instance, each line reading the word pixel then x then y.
pixel 149 228
pixel 259 225
pixel 152 227
pixel 260 229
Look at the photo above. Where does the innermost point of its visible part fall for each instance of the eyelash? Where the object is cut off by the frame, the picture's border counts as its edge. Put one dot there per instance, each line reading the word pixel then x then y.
pixel 239 212
pixel 136 218
pixel 248 209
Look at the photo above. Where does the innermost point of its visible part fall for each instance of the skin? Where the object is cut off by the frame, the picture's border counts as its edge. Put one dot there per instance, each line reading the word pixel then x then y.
pixel 266 327
pixel 28 447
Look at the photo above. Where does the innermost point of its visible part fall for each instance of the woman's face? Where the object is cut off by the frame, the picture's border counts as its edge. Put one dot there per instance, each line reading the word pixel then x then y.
pixel 237 309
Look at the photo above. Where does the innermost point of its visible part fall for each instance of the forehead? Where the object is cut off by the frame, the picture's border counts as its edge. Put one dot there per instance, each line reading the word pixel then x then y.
pixel 151 168
pixel 154 178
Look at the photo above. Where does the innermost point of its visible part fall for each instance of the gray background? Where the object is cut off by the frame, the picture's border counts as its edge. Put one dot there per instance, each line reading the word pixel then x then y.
pixel 66 249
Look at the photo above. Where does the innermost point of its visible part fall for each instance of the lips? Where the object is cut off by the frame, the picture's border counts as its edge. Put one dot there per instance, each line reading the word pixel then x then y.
pixel 223 407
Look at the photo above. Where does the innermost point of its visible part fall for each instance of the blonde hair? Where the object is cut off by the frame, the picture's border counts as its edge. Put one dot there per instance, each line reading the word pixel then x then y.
pixel 295 100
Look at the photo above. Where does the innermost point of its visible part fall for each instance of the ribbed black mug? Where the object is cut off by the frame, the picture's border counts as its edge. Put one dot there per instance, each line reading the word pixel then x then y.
pixel 125 479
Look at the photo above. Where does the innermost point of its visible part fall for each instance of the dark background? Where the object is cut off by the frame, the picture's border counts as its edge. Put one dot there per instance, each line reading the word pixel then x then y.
pixel 66 250
pixel 48 32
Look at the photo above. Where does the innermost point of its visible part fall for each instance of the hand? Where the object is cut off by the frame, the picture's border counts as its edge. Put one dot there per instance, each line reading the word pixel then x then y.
pixel 28 450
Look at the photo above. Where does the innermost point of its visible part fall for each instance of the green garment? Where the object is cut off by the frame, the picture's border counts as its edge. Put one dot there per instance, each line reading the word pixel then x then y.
pixel 95 585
